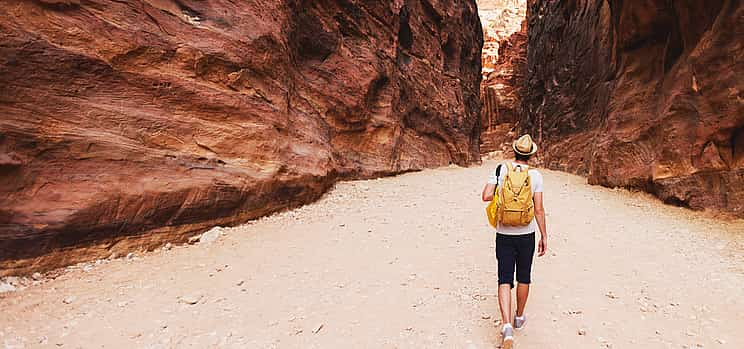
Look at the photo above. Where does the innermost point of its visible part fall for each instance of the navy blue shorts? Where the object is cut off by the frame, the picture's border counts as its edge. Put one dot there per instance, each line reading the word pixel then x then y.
pixel 515 252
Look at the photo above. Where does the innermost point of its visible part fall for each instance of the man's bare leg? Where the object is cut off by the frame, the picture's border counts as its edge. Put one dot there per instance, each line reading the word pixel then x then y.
pixel 523 291
pixel 505 303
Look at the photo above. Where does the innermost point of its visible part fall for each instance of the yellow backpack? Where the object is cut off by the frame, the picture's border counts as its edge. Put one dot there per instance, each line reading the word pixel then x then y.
pixel 513 204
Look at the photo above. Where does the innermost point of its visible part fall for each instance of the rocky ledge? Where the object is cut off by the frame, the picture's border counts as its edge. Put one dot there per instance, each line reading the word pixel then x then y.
pixel 126 124
pixel 645 95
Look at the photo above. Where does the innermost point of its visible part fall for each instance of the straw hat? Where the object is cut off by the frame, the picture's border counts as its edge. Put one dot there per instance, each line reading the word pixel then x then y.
pixel 524 145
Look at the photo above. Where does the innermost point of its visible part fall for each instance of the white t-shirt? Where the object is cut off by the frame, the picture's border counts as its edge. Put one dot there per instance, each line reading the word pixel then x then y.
pixel 536 182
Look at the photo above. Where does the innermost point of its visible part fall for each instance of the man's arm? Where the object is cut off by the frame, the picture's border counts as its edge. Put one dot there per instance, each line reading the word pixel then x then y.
pixel 490 188
pixel 542 247
pixel 488 191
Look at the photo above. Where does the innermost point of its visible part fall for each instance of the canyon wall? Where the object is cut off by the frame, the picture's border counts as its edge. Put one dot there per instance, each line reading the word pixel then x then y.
pixel 504 63
pixel 127 124
pixel 641 94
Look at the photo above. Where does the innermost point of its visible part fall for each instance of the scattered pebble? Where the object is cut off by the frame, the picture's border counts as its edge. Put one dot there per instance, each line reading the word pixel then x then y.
pixel 69 299
pixel 207 237
pixel 317 328
pixel 190 299
pixel 582 332
pixel 168 246
pixel 6 287
pixel 611 295
pixel 37 276
pixel 485 316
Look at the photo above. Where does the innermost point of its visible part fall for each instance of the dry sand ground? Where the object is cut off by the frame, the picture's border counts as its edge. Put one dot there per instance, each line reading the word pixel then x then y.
pixel 408 262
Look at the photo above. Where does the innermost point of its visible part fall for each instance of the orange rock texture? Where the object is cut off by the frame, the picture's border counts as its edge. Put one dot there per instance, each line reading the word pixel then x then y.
pixel 504 63
pixel 126 124
pixel 642 94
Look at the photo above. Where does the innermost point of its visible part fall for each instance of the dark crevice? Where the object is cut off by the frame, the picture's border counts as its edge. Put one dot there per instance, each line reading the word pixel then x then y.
pixel 737 147
pixel 405 36
pixel 375 90
pixel 674 47
pixel 450 55
pixel 431 12
pixel 309 40
pixel 186 10
pixel 673 200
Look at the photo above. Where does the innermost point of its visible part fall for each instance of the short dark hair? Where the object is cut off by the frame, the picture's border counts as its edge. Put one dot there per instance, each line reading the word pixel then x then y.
pixel 520 157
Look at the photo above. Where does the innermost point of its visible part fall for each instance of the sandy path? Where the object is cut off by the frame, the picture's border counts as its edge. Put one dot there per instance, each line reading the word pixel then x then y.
pixel 407 262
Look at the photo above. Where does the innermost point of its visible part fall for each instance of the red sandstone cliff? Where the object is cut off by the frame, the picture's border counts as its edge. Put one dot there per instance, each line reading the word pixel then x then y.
pixel 504 64
pixel 129 123
pixel 642 94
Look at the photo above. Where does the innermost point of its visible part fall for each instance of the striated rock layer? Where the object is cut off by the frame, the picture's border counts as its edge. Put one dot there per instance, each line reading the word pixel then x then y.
pixel 643 94
pixel 504 64
pixel 129 123
pixel 501 94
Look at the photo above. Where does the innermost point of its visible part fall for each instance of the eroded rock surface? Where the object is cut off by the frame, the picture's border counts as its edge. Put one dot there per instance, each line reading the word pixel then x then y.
pixel 642 94
pixel 504 64
pixel 126 124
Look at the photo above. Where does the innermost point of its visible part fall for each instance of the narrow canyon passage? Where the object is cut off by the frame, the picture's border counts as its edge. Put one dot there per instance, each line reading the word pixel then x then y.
pixel 407 262
pixel 504 61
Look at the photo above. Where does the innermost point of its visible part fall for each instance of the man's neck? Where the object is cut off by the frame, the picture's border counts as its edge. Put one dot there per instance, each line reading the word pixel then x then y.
pixel 520 162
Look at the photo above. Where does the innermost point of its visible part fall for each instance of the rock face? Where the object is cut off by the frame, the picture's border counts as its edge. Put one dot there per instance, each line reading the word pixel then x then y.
pixel 126 124
pixel 504 64
pixel 643 94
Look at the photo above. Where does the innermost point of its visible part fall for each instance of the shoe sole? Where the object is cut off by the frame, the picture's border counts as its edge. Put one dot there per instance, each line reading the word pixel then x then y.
pixel 508 343
pixel 519 328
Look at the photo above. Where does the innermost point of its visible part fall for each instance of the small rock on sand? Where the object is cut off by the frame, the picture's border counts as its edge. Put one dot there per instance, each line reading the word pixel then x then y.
pixel 69 300
pixel 6 287
pixel 582 332
pixel 207 237
pixel 190 299
pixel 317 328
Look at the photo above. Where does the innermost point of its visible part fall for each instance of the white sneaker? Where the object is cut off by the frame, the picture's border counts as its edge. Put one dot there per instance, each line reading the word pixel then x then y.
pixel 508 338
pixel 519 322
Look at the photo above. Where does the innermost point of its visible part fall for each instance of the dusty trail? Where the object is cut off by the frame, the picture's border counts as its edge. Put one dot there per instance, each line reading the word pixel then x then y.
pixel 407 262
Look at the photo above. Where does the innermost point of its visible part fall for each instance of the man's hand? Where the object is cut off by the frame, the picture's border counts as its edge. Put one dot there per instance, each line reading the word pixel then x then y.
pixel 542 247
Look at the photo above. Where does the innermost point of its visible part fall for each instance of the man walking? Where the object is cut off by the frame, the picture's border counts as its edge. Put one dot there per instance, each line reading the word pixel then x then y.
pixel 519 214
